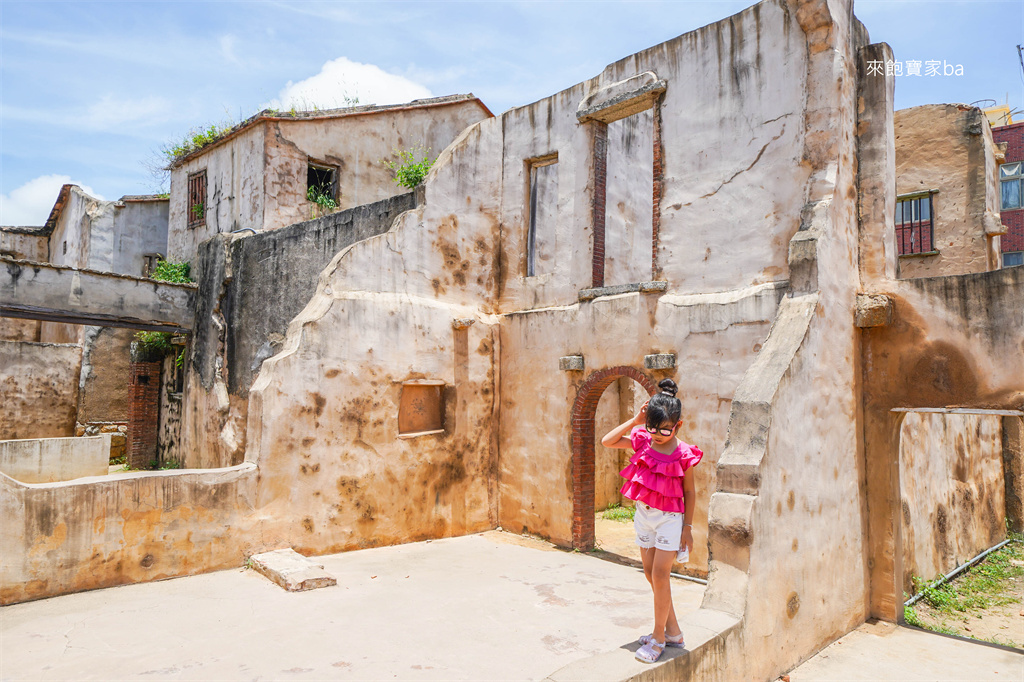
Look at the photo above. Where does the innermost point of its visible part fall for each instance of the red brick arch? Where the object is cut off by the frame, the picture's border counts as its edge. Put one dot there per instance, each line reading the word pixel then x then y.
pixel 583 411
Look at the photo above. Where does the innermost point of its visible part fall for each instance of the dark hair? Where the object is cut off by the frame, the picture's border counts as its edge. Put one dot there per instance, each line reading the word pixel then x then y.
pixel 664 406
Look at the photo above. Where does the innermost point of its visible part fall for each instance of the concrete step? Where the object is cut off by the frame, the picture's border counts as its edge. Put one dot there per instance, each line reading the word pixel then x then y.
pixel 291 570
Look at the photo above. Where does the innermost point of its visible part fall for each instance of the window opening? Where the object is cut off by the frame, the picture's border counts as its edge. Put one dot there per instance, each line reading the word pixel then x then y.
pixel 421 408
pixel 543 214
pixel 629 196
pixel 321 183
pixel 914 224
pixel 149 261
pixel 1011 179
pixel 197 199
pixel 1011 258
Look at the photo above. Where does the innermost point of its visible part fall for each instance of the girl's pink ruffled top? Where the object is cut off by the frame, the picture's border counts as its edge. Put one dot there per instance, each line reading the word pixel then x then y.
pixel 656 479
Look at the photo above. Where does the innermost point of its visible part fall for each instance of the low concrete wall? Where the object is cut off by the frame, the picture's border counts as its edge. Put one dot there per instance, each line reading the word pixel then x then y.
pixel 46 460
pixel 951 488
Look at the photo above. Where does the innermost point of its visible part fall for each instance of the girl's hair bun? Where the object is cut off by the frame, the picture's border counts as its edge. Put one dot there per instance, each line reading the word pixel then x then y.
pixel 668 386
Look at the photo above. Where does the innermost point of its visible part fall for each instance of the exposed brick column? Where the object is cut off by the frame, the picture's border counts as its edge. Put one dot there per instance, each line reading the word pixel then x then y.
pixel 583 411
pixel 143 413
pixel 599 182
pixel 659 175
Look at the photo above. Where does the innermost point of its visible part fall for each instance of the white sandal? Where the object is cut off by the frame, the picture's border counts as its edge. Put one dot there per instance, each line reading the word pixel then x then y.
pixel 676 641
pixel 650 652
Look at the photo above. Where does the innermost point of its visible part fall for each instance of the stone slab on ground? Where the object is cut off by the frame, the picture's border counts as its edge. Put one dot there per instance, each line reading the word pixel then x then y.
pixel 291 570
pixel 494 606
pixel 883 652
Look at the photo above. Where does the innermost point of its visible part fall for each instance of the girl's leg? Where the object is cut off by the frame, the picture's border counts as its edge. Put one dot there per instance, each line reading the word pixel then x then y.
pixel 670 626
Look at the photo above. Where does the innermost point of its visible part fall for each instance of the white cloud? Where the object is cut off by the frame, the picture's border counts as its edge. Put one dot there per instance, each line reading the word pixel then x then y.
pixel 31 203
pixel 340 80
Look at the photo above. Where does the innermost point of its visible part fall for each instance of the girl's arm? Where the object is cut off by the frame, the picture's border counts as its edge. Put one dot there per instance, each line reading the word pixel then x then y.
pixel 618 438
pixel 689 500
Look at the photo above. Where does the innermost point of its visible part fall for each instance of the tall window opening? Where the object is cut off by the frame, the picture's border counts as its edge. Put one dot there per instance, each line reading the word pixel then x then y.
pixel 197 199
pixel 914 224
pixel 629 195
pixel 543 215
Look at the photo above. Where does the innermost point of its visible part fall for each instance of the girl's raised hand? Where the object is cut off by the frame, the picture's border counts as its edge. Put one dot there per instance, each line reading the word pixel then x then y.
pixel 641 416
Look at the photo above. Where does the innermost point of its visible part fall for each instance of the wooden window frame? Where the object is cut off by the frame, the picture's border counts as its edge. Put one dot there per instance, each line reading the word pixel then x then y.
pixel 196 198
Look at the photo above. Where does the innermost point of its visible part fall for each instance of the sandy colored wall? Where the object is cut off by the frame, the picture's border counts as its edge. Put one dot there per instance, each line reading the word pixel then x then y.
pixel 949 147
pixel 952 490
pixel 103 384
pixel 38 389
pixel 46 460
pixel 357 147
pixel 22 244
pixel 234 193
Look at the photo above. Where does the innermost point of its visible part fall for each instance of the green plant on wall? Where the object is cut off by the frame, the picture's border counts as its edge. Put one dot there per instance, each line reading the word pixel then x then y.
pixel 412 165
pixel 151 346
pixel 195 139
pixel 197 211
pixel 322 201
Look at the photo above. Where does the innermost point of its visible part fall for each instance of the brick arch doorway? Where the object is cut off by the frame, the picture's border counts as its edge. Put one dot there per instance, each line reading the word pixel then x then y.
pixel 583 411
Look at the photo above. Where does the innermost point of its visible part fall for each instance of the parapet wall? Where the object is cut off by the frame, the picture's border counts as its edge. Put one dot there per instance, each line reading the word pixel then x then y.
pixel 38 389
pixel 45 460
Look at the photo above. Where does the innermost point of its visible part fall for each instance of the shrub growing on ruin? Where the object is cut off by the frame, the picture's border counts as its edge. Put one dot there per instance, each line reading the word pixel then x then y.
pixel 410 172
pixel 153 346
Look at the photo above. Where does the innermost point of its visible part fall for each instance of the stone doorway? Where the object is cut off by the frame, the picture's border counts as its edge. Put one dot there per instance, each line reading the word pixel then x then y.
pixel 583 451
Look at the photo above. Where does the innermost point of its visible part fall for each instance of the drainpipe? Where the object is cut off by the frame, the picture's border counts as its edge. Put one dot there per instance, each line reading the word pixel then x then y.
pixel 955 572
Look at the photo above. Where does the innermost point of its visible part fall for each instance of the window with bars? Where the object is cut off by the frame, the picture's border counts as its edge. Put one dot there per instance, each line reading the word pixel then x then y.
pixel 1011 179
pixel 914 224
pixel 197 199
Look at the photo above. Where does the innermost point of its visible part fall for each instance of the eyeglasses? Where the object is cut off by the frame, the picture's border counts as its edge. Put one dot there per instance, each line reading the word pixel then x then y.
pixel 664 432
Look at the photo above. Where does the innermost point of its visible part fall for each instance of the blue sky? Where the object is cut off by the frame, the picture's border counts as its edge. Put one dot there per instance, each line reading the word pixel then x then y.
pixel 90 91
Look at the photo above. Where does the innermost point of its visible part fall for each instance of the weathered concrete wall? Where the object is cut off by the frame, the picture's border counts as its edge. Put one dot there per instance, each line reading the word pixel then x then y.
pixel 357 146
pixel 168 438
pixel 952 490
pixel 38 389
pixel 140 228
pixel 954 342
pixel 257 179
pixel 629 212
pixel 234 193
pixel 103 384
pixel 949 148
pixel 253 285
pixel 45 460
pixel 123 528
pixel 83 297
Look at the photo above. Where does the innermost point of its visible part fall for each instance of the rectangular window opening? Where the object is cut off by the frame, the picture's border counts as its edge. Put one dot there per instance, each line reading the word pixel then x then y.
pixel 322 185
pixel 1011 185
pixel 542 209
pixel 914 225
pixel 421 408
pixel 197 199
pixel 149 261
pixel 1011 258
pixel 629 199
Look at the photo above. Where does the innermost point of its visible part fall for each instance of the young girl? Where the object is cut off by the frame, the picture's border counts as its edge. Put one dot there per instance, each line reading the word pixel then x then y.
pixel 664 496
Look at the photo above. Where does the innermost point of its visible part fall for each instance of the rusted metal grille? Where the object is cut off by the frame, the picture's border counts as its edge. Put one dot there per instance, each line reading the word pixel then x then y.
pixel 197 199
pixel 914 225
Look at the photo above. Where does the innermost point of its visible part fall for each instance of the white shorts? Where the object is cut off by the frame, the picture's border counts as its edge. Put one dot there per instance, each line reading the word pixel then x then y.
pixel 656 528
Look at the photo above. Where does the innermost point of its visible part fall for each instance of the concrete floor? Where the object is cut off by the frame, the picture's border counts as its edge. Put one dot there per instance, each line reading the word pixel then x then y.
pixel 882 652
pixel 483 607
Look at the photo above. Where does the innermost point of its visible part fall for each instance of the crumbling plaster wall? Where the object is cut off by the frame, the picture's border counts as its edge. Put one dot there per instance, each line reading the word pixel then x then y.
pixel 234 192
pixel 357 146
pixel 38 389
pixel 952 492
pixel 103 384
pixel 949 148
pixel 253 285
pixel 140 228
pixel 22 243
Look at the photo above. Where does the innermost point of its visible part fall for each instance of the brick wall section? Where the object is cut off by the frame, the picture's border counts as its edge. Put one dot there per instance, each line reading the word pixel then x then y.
pixel 600 184
pixel 1013 136
pixel 659 176
pixel 583 411
pixel 143 413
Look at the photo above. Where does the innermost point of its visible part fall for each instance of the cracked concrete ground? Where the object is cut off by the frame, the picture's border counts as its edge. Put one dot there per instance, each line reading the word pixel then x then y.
pixel 494 606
